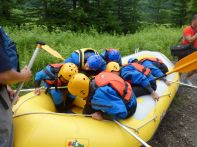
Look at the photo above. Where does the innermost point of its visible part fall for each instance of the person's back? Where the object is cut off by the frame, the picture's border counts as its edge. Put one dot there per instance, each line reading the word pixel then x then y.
pixel 157 67
pixel 106 94
pixel 130 72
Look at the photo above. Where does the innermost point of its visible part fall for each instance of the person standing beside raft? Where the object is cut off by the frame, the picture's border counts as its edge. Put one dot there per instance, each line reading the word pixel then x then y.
pixel 8 75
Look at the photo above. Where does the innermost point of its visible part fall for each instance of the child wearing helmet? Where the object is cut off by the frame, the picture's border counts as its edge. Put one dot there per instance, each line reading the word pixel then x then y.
pixel 142 83
pixel 157 67
pixel 95 63
pixel 56 75
pixel 87 60
pixel 106 94
pixel 110 55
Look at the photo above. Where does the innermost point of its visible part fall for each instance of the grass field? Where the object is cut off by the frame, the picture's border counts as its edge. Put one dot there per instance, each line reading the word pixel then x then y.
pixel 150 38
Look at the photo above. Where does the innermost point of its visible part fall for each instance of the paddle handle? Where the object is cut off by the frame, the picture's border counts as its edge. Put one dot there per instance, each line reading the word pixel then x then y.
pixel 20 86
pixel 160 77
pixel 131 133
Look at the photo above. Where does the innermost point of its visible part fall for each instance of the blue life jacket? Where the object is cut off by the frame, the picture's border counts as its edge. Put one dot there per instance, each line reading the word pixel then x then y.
pixel 10 47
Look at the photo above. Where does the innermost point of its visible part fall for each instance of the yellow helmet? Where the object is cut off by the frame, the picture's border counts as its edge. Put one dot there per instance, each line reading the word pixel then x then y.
pixel 78 85
pixel 112 66
pixel 68 70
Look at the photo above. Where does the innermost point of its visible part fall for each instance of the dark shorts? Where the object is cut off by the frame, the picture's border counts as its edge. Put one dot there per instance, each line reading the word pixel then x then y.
pixel 186 53
pixel 140 91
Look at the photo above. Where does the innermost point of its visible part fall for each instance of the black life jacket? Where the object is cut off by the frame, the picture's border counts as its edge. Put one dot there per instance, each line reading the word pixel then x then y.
pixel 82 56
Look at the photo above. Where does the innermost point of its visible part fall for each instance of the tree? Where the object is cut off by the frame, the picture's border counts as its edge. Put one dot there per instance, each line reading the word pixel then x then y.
pixel 179 12
pixel 128 14
pixel 5 11
pixel 192 5
pixel 156 11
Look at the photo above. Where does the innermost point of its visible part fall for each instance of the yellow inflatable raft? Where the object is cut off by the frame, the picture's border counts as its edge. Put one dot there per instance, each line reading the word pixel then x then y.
pixel 36 123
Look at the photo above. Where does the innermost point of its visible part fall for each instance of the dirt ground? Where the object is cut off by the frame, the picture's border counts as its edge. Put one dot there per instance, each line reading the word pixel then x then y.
pixel 179 127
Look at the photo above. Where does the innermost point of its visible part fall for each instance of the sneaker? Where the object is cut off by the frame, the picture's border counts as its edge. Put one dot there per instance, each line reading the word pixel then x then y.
pixel 186 81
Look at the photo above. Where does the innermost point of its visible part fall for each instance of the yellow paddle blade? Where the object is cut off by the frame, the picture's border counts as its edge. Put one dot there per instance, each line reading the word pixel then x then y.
pixel 52 51
pixel 187 59
pixel 187 64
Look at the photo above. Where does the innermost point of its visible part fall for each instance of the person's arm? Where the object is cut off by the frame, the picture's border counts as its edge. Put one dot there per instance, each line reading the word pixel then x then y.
pixel 39 77
pixel 74 58
pixel 191 39
pixel 7 74
pixel 12 76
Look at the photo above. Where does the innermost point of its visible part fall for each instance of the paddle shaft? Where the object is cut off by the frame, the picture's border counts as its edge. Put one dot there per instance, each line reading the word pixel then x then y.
pixel 20 86
pixel 131 133
pixel 32 89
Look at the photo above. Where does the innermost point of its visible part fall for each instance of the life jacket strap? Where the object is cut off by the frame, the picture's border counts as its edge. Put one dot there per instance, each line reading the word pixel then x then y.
pixel 125 90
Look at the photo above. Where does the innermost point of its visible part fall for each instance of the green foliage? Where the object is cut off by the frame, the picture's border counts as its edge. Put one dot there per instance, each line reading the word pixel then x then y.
pixel 109 16
pixel 179 12
pixel 192 5
pixel 155 38
pixel 156 11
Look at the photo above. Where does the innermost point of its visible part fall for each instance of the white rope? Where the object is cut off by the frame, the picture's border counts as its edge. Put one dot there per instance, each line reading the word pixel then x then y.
pixel 52 113
pixel 131 133
pixel 42 88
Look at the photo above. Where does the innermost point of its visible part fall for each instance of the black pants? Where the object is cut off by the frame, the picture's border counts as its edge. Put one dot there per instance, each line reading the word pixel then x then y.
pixel 186 53
pixel 131 111
pixel 140 91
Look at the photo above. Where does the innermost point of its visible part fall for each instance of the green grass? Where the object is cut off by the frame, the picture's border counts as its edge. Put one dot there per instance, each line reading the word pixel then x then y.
pixel 151 38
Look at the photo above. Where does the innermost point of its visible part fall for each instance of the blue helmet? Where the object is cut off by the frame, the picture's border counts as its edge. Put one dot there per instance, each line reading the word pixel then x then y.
pixel 113 54
pixel 95 62
pixel 131 60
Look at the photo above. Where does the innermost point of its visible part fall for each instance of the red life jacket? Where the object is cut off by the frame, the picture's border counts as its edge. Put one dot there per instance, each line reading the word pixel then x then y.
pixel 54 81
pixel 122 87
pixel 151 59
pixel 146 71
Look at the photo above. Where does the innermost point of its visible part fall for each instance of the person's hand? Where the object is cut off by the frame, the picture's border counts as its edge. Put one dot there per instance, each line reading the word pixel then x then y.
pixel 155 96
pixel 97 116
pixel 195 36
pixel 168 83
pixel 11 92
pixel 26 74
pixel 37 91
